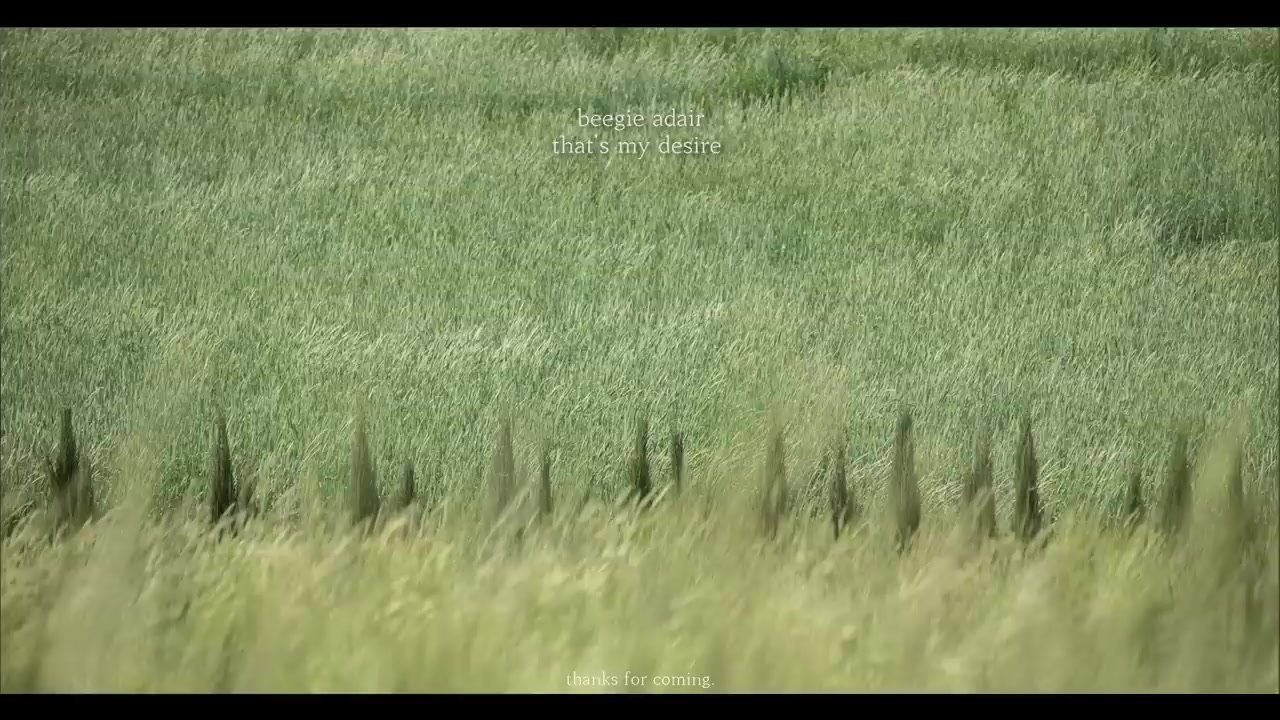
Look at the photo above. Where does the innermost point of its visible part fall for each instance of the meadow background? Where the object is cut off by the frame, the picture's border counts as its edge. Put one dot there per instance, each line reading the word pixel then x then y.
pixel 1080 226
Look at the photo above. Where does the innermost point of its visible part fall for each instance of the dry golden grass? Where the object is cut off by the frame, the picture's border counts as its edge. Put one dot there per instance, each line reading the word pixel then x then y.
pixel 128 605
pixel 668 600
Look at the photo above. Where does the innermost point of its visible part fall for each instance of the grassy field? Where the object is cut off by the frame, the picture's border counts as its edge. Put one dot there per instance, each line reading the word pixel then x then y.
pixel 1077 227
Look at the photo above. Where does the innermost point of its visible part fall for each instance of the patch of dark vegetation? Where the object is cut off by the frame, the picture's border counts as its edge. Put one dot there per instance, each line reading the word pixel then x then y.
pixel 1187 228
pixel 771 65
pixel 1192 203
pixel 776 76
pixel 601 43
pixel 1088 53
pixel 496 106
pixel 1092 54
pixel 75 82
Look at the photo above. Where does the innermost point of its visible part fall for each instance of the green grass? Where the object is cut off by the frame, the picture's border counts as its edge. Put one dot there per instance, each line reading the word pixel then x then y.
pixel 1081 227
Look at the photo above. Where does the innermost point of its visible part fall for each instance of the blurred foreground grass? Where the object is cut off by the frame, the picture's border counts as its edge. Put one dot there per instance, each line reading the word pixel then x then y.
pixel 692 601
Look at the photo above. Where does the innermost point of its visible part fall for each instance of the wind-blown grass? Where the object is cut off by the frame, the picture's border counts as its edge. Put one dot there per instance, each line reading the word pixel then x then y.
pixel 711 604
pixel 1078 226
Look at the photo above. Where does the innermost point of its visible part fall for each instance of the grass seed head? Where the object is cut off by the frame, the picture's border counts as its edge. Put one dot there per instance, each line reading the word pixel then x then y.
pixel 504 468
pixel 904 488
pixel 843 505
pixel 677 461
pixel 408 491
pixel 774 500
pixel 1027 513
pixel 68 458
pixel 71 500
pixel 1176 500
pixel 544 481
pixel 221 476
pixel 246 505
pixel 641 485
pixel 1134 506
pixel 978 494
pixel 363 485
pixel 63 463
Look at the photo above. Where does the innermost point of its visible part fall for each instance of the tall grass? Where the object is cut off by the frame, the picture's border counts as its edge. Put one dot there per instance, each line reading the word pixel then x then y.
pixel 1078 226
pixel 134 605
